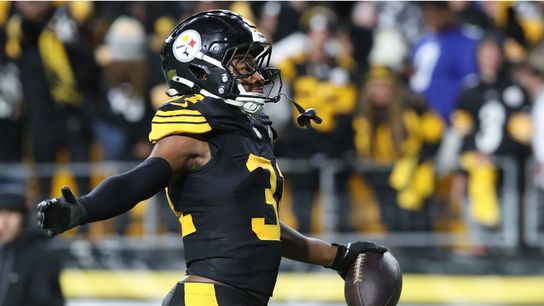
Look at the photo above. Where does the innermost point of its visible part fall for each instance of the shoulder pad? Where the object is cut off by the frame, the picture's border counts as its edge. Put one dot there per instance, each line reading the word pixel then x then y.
pixel 179 116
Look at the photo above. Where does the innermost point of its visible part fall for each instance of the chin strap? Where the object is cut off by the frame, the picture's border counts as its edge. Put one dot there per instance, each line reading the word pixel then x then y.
pixel 250 103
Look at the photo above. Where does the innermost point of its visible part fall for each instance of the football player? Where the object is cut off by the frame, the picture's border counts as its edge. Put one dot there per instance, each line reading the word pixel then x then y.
pixel 213 154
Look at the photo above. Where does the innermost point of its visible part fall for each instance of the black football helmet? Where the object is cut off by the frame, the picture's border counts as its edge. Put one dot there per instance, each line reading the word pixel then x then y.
pixel 197 57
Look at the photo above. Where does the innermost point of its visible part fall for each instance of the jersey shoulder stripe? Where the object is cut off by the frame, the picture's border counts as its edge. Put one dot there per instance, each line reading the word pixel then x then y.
pixel 179 116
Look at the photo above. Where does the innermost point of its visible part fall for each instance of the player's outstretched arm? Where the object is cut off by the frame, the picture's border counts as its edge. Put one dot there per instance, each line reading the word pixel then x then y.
pixel 60 214
pixel 121 192
pixel 315 251
pixel 114 196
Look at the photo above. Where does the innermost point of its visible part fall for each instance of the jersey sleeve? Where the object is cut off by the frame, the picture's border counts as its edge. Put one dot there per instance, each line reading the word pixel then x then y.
pixel 179 117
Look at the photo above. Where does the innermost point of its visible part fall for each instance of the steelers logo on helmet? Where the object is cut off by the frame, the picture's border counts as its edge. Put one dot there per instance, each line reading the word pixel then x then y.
pixel 187 45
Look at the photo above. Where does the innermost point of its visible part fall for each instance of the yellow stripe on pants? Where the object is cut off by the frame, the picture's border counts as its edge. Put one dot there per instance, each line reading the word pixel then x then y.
pixel 200 294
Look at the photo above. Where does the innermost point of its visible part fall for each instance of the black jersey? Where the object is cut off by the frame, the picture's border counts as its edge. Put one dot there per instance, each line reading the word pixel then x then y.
pixel 228 208
pixel 494 113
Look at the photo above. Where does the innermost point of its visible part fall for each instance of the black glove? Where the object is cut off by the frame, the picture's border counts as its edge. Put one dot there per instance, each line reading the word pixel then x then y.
pixel 61 214
pixel 347 254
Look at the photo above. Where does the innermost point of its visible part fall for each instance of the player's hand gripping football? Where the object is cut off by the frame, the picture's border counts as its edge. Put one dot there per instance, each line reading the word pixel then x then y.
pixel 61 214
pixel 347 254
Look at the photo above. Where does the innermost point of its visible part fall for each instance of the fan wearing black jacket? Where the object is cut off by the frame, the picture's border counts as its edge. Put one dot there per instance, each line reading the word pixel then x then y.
pixel 29 271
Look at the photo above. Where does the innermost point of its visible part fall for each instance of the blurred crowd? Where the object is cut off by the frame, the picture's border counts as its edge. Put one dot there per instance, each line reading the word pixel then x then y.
pixel 432 95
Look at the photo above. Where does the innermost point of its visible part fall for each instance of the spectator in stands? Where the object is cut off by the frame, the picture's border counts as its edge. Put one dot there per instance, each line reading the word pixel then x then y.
pixel 361 33
pixel 10 101
pixel 505 19
pixel 531 75
pixel 520 22
pixel 493 116
pixel 279 19
pixel 442 58
pixel 11 125
pixel 29 272
pixel 469 13
pixel 319 79
pixel 59 75
pixel 122 115
pixel 393 129
pixel 404 16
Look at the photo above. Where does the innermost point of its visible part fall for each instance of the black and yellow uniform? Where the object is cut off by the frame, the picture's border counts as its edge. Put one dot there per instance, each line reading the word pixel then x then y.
pixel 495 121
pixel 228 208
pixel 205 294
pixel 494 118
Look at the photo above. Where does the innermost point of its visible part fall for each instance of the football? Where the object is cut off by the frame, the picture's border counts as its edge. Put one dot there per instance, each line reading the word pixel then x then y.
pixel 373 280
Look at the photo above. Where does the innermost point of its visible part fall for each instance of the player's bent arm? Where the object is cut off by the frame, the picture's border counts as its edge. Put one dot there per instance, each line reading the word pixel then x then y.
pixel 305 249
pixel 183 153
pixel 315 251
pixel 119 193
pixel 122 192
pixel 170 156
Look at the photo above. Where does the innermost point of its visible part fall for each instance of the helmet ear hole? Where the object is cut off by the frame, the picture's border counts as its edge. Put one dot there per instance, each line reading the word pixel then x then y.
pixel 199 72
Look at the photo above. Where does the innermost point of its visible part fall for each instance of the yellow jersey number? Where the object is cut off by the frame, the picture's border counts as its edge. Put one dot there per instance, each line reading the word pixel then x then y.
pixel 260 228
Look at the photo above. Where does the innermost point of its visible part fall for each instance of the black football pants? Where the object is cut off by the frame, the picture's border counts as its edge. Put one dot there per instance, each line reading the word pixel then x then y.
pixel 206 294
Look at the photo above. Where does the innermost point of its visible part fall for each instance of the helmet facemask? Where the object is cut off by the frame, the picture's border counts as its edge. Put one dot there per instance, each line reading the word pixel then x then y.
pixel 205 53
pixel 243 62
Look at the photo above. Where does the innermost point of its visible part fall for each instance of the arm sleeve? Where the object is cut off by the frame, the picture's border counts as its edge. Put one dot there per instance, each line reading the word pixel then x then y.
pixel 121 192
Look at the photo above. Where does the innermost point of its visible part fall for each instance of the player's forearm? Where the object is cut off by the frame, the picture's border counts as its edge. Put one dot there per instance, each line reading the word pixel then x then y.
pixel 120 193
pixel 309 250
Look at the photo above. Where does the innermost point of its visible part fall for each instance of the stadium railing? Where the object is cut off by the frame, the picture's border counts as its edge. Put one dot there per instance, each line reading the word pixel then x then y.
pixel 520 222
